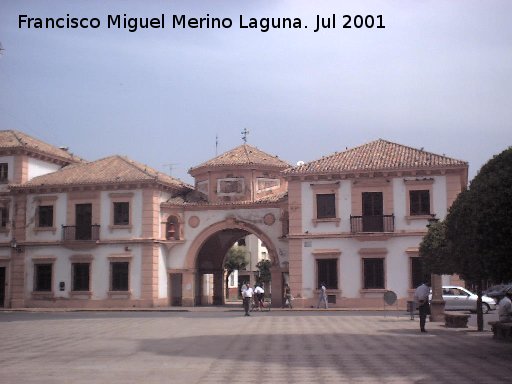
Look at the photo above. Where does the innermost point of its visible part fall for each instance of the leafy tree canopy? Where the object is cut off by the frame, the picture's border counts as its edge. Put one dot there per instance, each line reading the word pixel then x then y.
pixel 264 269
pixel 236 259
pixel 479 224
pixel 434 250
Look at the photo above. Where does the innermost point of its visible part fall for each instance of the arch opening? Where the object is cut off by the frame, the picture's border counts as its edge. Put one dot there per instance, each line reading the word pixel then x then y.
pixel 213 284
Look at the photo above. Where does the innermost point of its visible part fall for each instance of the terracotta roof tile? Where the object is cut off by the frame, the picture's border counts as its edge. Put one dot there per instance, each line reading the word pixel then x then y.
pixel 378 155
pixel 12 140
pixel 270 199
pixel 243 155
pixel 109 170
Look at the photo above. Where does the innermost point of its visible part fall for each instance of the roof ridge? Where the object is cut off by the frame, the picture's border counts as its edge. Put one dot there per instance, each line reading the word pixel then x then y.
pixel 17 136
pixel 140 167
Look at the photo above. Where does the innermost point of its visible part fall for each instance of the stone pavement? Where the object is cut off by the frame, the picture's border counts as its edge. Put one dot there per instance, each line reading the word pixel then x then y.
pixel 222 346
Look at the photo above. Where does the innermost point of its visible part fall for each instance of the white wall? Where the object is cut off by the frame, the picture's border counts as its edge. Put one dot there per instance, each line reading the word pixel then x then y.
pixel 106 233
pixel 38 167
pixel 59 217
pixel 397 266
pixel 176 256
pixel 100 269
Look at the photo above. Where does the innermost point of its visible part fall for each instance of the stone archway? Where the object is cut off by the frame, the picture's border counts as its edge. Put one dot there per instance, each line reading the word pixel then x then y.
pixel 207 254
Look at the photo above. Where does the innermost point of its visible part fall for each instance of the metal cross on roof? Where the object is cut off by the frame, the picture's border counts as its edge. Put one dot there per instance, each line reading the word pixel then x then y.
pixel 244 133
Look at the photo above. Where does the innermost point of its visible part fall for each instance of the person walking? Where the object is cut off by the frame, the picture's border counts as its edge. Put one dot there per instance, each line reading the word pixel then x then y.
pixel 287 297
pixel 421 295
pixel 323 297
pixel 247 296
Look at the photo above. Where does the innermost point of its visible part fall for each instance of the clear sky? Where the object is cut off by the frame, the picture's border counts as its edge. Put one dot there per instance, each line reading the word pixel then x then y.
pixel 438 77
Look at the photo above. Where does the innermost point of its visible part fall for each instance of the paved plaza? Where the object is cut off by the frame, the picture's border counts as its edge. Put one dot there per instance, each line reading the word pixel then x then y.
pixel 219 345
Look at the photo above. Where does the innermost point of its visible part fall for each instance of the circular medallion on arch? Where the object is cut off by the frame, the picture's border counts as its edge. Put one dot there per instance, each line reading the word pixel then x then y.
pixel 194 221
pixel 269 219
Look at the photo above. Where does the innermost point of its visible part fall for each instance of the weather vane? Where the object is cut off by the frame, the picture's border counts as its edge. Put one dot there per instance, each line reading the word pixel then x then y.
pixel 244 133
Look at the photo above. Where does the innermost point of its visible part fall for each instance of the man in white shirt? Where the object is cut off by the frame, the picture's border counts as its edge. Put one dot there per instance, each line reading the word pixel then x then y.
pixel 260 296
pixel 247 295
pixel 505 308
pixel 421 297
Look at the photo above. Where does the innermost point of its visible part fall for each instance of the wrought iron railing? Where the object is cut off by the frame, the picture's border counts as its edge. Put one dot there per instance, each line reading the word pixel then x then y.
pixel 73 232
pixel 373 223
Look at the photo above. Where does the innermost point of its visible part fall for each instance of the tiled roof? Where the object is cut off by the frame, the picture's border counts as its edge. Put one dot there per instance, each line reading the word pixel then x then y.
pixel 12 140
pixel 378 155
pixel 270 199
pixel 110 170
pixel 243 155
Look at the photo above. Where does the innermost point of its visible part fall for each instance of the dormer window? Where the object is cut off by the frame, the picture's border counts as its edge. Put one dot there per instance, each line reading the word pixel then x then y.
pixel 230 186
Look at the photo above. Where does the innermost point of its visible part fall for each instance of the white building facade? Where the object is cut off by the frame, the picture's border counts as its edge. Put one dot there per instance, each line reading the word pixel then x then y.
pixel 116 233
pixel 357 219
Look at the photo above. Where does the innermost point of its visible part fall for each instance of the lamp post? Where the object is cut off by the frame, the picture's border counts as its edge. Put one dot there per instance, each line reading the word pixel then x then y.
pixel 437 302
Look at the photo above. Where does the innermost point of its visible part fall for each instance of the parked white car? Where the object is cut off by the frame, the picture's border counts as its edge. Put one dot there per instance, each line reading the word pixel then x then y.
pixel 459 298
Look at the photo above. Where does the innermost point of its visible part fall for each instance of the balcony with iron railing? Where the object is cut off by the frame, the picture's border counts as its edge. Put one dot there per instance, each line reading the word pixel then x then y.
pixel 373 223
pixel 81 233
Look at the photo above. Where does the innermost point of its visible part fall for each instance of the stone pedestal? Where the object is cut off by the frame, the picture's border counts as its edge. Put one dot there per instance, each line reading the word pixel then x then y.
pixel 437 302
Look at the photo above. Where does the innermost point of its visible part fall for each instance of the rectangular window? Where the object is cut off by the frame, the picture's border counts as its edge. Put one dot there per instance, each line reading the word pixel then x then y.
pixel 373 273
pixel 119 275
pixel 230 186
pixel 325 206
pixel 327 273
pixel 45 216
pixel 419 202
pixel 122 213
pixel 43 277
pixel 4 171
pixel 4 217
pixel 80 273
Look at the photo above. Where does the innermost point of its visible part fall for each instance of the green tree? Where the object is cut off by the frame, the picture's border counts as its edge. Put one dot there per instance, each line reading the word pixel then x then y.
pixel 434 250
pixel 237 259
pixel 479 227
pixel 491 192
pixel 264 271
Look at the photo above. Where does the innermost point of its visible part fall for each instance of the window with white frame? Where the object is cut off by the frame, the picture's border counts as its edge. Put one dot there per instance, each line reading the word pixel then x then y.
pixel 325 198
pixel 121 213
pixel 373 273
pixel 327 273
pixel 121 209
pixel 119 275
pixel 45 216
pixel 80 276
pixel 419 201
pixel 43 277
pixel 325 206
pixel 45 212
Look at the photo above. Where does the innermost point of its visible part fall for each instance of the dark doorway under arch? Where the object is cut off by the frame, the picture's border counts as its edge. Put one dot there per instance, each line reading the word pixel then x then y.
pixel 210 262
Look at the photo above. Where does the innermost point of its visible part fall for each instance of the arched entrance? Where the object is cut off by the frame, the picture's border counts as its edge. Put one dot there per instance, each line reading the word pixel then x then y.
pixel 208 252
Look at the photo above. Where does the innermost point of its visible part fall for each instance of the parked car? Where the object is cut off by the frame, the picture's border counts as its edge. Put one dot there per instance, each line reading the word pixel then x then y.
pixel 459 298
pixel 497 292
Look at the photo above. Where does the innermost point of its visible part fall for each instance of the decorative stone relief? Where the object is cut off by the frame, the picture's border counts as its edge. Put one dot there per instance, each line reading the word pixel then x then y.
pixel 194 221
pixel 269 219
